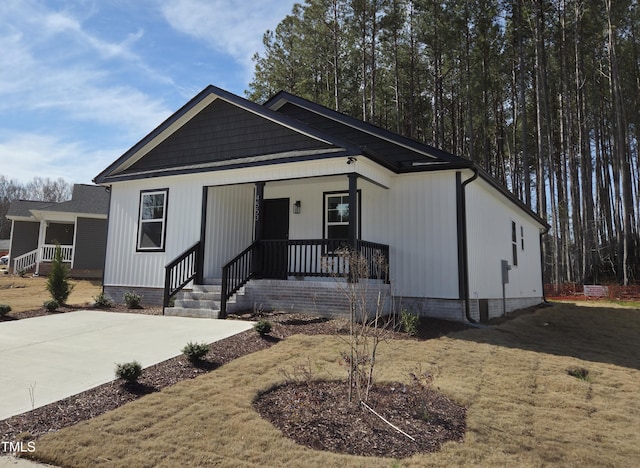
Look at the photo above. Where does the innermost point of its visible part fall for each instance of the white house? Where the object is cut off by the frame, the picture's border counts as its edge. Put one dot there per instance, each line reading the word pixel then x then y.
pixel 236 194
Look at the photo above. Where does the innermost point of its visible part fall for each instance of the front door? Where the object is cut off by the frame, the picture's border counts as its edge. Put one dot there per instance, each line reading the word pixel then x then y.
pixel 275 231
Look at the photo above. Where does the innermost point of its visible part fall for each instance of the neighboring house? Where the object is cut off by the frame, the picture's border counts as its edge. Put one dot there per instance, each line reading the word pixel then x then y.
pixel 233 193
pixel 79 226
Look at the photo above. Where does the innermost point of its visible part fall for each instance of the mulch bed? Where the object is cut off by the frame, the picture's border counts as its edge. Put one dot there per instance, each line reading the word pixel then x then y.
pixel 319 415
pixel 429 416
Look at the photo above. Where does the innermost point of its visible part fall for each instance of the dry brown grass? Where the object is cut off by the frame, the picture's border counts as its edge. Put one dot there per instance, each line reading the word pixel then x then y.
pixel 30 292
pixel 524 409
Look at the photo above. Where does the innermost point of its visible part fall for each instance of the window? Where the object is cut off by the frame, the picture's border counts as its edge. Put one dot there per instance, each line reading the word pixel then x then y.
pixel 514 243
pixel 521 238
pixel 152 220
pixel 337 215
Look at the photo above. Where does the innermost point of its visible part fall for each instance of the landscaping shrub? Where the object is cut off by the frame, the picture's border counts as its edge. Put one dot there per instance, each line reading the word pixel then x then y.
pixel 51 305
pixel 409 322
pixel 58 281
pixel 4 309
pixel 263 327
pixel 195 351
pixel 102 301
pixel 129 371
pixel 132 299
pixel 579 373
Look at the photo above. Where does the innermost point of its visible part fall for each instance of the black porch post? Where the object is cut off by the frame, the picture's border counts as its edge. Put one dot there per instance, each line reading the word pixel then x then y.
pixel 203 235
pixel 258 227
pixel 353 210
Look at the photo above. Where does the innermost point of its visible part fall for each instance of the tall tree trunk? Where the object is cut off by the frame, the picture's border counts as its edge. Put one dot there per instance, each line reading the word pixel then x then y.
pixel 622 154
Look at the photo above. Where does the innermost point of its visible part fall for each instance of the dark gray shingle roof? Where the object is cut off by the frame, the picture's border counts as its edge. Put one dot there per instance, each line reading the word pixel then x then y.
pixel 86 199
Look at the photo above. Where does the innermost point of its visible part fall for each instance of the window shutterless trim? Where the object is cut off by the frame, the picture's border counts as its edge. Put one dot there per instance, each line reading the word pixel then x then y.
pixel 163 236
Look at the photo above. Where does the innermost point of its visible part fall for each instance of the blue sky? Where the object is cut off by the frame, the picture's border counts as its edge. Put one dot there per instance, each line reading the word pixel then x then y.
pixel 82 81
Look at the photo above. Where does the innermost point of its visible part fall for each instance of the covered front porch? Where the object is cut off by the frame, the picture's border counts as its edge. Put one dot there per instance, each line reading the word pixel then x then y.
pixel 286 230
pixel 41 247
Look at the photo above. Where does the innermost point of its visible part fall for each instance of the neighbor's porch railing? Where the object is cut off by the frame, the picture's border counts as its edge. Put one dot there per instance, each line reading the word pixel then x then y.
pixel 47 253
pixel 302 258
pixel 25 261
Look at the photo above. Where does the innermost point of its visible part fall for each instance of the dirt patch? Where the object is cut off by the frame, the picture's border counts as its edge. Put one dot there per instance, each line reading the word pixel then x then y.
pixel 28 293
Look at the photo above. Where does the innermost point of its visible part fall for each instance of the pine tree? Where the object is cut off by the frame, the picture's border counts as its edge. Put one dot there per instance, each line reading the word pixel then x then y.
pixel 58 282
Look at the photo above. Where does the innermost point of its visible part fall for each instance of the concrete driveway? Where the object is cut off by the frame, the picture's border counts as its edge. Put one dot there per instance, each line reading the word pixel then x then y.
pixel 46 359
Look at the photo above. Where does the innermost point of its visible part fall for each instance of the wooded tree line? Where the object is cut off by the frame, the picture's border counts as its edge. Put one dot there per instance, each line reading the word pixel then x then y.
pixel 543 94
pixel 38 189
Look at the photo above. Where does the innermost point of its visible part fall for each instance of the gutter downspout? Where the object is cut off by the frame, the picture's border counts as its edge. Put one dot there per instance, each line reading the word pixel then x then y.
pixel 543 232
pixel 463 254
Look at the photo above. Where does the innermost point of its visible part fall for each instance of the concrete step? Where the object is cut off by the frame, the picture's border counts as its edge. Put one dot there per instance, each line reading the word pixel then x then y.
pixel 197 303
pixel 201 301
pixel 207 288
pixel 199 296
pixel 193 313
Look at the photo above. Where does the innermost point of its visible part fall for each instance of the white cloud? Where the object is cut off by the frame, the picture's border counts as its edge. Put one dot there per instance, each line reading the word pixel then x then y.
pixel 24 156
pixel 64 76
pixel 234 27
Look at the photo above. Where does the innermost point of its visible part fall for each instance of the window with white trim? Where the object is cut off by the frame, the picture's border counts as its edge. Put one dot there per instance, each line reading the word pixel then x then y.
pixel 152 220
pixel 337 215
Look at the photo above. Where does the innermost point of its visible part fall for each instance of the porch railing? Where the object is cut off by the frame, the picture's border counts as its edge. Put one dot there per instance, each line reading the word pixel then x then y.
pixel 303 258
pixel 235 274
pixel 181 271
pixel 25 261
pixel 48 251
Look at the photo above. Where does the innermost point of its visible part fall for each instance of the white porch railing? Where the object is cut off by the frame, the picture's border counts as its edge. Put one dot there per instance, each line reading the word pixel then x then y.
pixel 47 252
pixel 25 261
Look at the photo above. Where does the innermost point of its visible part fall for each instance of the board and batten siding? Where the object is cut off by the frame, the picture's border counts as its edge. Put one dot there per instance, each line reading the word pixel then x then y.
pixel 124 266
pixel 127 268
pixel 230 225
pixel 310 192
pixel 489 218
pixel 420 222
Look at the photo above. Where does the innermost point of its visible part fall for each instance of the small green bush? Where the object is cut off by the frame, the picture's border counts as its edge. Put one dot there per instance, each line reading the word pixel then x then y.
pixel 58 282
pixel 4 309
pixel 409 322
pixel 579 373
pixel 195 351
pixel 263 327
pixel 51 305
pixel 132 299
pixel 129 371
pixel 102 301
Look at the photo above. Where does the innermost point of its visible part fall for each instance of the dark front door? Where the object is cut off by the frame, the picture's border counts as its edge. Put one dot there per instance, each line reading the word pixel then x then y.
pixel 275 232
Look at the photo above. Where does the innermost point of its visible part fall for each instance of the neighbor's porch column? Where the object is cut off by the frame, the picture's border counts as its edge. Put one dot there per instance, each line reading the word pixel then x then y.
pixel 42 234
pixel 353 210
